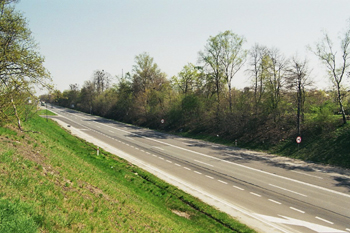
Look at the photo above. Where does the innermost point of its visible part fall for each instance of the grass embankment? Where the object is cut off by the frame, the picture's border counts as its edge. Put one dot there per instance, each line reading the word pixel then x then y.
pixel 329 147
pixel 54 182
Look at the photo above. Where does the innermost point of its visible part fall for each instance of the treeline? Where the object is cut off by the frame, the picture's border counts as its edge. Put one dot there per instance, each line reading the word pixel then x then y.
pixel 281 103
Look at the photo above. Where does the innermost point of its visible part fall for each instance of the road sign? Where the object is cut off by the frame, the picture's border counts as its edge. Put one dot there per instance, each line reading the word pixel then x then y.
pixel 162 121
pixel 298 140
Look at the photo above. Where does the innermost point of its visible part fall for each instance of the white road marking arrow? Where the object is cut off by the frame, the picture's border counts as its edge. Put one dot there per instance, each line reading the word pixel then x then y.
pixel 297 222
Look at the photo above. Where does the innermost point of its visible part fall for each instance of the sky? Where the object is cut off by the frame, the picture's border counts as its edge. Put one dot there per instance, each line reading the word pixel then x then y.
pixel 78 37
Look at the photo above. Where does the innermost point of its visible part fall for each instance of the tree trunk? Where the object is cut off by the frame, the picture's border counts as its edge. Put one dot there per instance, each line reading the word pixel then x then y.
pixel 16 114
pixel 341 105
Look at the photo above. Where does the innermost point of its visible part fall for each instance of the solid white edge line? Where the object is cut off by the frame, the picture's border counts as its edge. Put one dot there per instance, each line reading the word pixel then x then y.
pixel 324 220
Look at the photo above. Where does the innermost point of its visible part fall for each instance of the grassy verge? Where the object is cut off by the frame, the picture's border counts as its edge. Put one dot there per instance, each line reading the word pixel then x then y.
pixel 45 112
pixel 54 182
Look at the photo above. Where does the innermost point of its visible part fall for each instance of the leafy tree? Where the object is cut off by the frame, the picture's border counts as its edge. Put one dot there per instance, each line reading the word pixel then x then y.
pixel 149 86
pixel 187 80
pixel 211 58
pixel 124 102
pixel 21 66
pixel 232 57
pixel 87 95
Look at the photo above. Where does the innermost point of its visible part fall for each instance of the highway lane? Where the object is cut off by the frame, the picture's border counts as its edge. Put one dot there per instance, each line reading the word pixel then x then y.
pixel 294 201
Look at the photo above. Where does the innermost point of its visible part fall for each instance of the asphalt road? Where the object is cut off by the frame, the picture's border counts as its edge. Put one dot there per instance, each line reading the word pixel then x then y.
pixel 262 192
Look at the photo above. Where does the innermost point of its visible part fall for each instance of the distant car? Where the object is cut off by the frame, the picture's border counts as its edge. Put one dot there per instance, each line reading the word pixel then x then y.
pixel 42 103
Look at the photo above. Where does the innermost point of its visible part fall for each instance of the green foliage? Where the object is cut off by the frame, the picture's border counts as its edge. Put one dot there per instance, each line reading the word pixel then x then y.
pixel 322 116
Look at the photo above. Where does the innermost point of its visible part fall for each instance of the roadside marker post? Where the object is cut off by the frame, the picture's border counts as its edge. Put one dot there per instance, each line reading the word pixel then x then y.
pixel 298 140
pixel 98 150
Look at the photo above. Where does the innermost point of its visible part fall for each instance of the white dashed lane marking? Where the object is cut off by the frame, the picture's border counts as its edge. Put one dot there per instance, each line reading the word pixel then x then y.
pixel 187 168
pixel 255 194
pixel 222 182
pixel 198 172
pixel 300 211
pixel 288 190
pixel 276 202
pixel 238 188
pixel 204 163
pixel 209 177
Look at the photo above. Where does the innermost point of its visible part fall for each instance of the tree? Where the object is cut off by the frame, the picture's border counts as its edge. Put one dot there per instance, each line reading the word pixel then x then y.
pixel 87 95
pixel 101 80
pixel 324 51
pixel 298 79
pixel 257 54
pixel 211 57
pixel 187 80
pixel 146 74
pixel 21 66
pixel 223 56
pixel 149 86
pixel 274 71
pixel 232 57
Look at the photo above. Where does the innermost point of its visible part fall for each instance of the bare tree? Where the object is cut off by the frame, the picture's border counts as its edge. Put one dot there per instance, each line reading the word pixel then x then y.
pixel 101 80
pixel 274 68
pixel 257 53
pixel 298 79
pixel 336 70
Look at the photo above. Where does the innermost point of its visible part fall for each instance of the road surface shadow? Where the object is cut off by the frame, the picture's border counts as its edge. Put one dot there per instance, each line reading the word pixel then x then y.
pixel 343 182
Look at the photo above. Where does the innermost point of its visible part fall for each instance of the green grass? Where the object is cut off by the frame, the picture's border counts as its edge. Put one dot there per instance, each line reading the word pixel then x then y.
pixel 61 185
pixel 16 217
pixel 46 112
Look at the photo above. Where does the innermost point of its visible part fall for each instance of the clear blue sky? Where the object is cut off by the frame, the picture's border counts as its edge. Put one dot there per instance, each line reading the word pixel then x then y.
pixel 77 37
